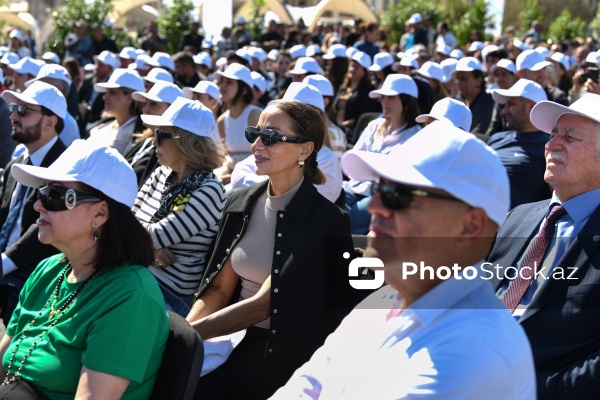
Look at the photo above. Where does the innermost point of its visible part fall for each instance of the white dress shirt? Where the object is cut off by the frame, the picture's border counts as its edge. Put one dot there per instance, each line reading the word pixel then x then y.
pixel 455 342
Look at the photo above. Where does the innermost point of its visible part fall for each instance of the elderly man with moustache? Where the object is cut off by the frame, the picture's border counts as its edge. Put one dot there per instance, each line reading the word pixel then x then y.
pixel 555 244
pixel 437 200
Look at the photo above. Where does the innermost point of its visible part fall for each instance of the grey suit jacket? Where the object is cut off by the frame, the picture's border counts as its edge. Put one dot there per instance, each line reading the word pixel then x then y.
pixel 563 320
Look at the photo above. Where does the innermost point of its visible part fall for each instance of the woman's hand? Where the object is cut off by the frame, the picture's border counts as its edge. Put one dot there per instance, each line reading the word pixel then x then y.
pixel 592 87
pixel 164 257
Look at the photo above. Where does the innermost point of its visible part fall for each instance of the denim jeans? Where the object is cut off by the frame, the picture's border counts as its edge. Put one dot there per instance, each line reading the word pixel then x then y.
pixel 174 302
pixel 356 206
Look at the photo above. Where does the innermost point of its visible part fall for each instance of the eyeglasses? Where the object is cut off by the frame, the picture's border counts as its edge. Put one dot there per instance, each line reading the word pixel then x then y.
pixel 21 109
pixel 160 135
pixel 269 137
pixel 398 197
pixel 60 198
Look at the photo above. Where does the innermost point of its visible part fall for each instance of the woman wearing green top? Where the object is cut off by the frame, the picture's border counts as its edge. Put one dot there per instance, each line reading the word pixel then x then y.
pixel 91 322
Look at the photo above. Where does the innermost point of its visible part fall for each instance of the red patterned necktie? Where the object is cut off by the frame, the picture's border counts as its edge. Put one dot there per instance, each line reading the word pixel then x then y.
pixel 532 259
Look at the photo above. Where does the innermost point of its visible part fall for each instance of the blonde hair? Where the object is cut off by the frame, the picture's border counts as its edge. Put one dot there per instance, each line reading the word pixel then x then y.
pixel 198 152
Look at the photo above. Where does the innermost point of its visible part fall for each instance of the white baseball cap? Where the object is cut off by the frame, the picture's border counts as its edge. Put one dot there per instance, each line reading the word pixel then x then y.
pixel 304 93
pixel 185 114
pixel 10 58
pixel 240 20
pixel 488 49
pixel 406 61
pixel 545 114
pixel 41 94
pixel 50 56
pixel 128 53
pixel 273 54
pixel 237 72
pixel 457 53
pixel 531 60
pixel 163 92
pixel 336 50
pixel 394 85
pixel 449 68
pixel 380 61
pixel 451 110
pixel 522 88
pixel 243 53
pixel 303 66
pixel 441 156
pixel 108 58
pixel 432 70
pixel 416 18
pixel 258 53
pixel 207 87
pixel 297 51
pixel 321 83
pixel 27 65
pixel 468 64
pixel 593 57
pixel 561 59
pixel 475 46
pixel 363 59
pixel 203 59
pixel 506 64
pixel 54 71
pixel 259 81
pixel 543 51
pixel 122 78
pixel 163 60
pixel 86 162
pixel 141 63
pixel 443 49
pixel 16 34
pixel 89 67
pixel 159 74
pixel 521 45
pixel 313 50
pixel 351 51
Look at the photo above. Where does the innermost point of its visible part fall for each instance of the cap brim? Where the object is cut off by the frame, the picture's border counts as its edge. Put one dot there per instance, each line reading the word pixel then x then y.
pixel 545 114
pixel 10 96
pixel 375 94
pixel 33 176
pixel 102 87
pixel 142 97
pixel 370 166
pixel 498 97
pixel 155 120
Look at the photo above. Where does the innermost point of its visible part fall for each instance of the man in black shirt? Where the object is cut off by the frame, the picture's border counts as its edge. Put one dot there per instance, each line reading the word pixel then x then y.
pixel 101 42
pixel 521 149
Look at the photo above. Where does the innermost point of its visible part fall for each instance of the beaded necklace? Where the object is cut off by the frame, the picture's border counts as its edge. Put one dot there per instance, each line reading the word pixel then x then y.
pixel 52 300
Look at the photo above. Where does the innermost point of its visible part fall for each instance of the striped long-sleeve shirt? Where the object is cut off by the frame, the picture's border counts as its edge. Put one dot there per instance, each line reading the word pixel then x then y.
pixel 187 231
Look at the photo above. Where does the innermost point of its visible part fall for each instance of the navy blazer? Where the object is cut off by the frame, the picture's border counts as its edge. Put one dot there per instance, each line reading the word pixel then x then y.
pixel 563 320
pixel 28 251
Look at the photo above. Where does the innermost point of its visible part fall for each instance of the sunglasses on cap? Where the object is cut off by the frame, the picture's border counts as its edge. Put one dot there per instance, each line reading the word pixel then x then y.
pixel 161 135
pixel 269 137
pixel 60 198
pixel 399 197
pixel 21 109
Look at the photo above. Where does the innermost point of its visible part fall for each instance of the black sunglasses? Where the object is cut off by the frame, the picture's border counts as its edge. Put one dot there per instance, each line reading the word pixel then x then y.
pixel 21 109
pixel 398 197
pixel 269 137
pixel 60 198
pixel 160 135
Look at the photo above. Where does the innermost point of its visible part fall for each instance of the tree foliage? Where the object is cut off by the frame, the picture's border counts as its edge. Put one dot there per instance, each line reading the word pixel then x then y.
pixel 75 11
pixel 256 20
pixel 461 16
pixel 529 13
pixel 175 22
pixel 89 13
pixel 396 14
pixel 565 27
